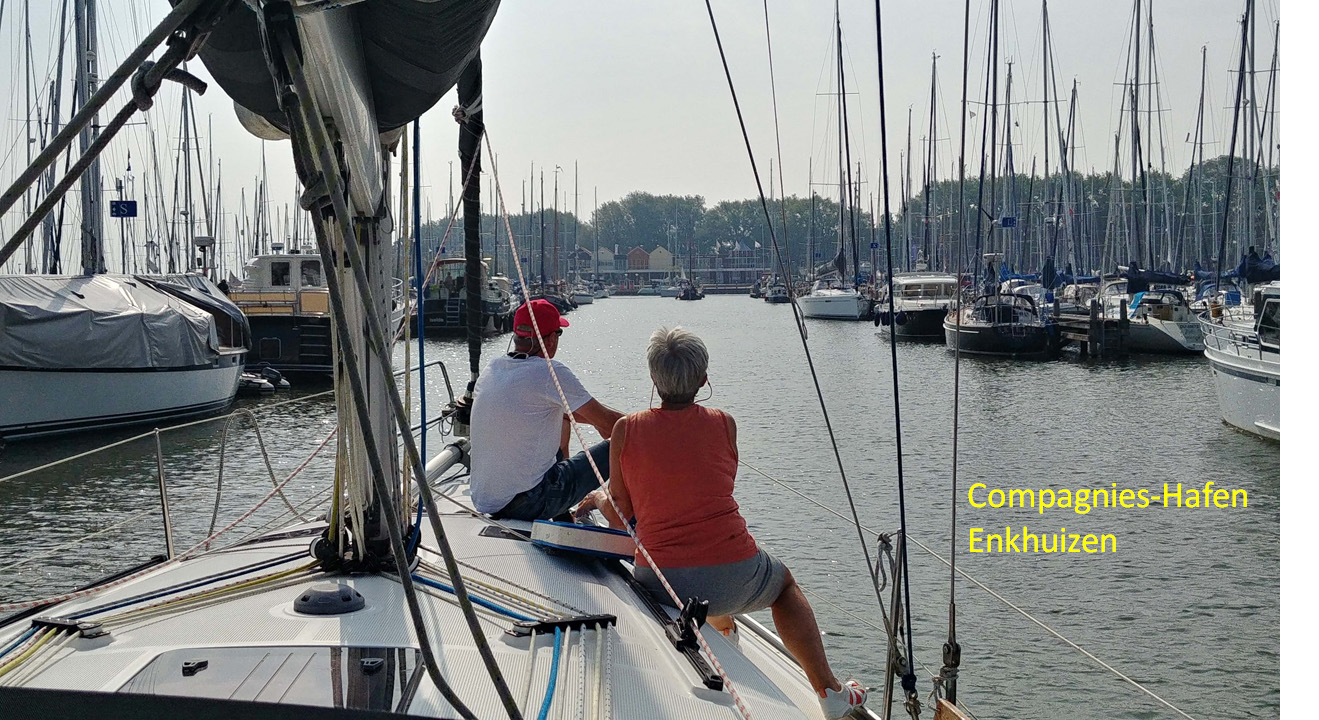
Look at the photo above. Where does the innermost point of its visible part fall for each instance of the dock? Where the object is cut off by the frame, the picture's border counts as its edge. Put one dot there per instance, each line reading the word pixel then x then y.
pixel 1096 335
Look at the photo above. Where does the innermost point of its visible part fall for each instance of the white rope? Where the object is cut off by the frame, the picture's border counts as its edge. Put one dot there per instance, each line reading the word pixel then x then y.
pixel 987 589
pixel 577 430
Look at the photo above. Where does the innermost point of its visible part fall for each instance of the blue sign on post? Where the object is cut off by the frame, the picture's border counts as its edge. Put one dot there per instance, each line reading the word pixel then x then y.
pixel 1009 221
pixel 874 246
pixel 123 208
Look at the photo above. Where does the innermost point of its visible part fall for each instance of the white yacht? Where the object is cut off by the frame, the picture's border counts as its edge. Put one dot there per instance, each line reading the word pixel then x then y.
pixel 95 351
pixel 1243 346
pixel 829 299
pixel 583 295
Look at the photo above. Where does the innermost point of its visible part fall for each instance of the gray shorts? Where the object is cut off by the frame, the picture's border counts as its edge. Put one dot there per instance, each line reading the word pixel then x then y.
pixel 732 589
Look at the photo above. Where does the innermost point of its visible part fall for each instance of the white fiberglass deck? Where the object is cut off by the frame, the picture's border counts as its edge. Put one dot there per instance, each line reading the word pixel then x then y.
pixel 629 670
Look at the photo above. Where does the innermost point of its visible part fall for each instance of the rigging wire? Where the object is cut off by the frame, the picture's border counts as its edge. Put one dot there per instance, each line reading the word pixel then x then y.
pixel 908 677
pixel 796 311
pixel 953 650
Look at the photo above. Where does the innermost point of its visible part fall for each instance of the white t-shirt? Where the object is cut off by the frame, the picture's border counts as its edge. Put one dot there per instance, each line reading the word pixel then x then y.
pixel 517 420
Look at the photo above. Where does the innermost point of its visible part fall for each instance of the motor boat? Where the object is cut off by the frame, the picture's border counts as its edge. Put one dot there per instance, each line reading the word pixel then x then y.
pixel 777 292
pixel 445 299
pixel 1243 344
pixel 287 305
pixel 920 304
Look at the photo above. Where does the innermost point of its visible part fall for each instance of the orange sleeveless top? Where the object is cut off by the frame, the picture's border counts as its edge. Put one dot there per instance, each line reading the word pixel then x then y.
pixel 679 467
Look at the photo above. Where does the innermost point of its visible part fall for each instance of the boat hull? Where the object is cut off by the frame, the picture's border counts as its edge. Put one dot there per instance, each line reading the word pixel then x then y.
pixel 1248 382
pixel 842 306
pixel 51 402
pixel 291 343
pixel 924 324
pixel 1165 336
pixel 1001 340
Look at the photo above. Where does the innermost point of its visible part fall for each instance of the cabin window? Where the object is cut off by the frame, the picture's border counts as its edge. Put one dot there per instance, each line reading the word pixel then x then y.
pixel 279 274
pixel 311 273
pixel 1270 323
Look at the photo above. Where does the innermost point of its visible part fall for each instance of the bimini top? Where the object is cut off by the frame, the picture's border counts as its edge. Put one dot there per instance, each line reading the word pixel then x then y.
pixel 99 322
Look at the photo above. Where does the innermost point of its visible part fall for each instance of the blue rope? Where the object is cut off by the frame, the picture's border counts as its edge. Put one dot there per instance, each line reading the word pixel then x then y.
pixel 419 280
pixel 554 677
pixel 477 600
pixel 21 639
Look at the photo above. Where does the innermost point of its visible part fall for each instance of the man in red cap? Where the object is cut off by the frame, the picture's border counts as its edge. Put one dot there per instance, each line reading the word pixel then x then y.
pixel 520 463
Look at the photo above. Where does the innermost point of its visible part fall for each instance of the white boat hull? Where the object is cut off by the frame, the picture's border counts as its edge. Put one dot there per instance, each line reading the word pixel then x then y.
pixel 1248 392
pixel 834 306
pixel 48 402
pixel 583 298
pixel 1165 336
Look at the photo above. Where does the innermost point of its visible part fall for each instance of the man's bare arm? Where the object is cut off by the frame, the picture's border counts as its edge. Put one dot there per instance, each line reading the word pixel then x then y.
pixel 599 416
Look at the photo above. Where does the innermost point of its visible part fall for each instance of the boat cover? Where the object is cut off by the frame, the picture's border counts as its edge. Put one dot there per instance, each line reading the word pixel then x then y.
pixel 231 326
pixel 102 322
pixel 413 50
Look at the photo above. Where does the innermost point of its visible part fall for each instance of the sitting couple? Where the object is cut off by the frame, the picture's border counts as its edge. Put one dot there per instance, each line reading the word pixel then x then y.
pixel 673 469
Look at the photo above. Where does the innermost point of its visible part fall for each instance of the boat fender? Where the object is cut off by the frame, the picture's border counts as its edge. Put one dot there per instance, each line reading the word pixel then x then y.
pixel 900 318
pixel 882 318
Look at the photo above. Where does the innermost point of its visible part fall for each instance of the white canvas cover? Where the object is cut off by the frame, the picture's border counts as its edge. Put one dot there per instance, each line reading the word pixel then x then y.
pixel 99 322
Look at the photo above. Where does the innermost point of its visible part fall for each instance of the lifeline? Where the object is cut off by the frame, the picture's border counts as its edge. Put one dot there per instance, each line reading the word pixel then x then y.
pixel 1060 542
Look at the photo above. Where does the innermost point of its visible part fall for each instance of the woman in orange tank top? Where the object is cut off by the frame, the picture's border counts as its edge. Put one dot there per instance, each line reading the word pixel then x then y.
pixel 673 469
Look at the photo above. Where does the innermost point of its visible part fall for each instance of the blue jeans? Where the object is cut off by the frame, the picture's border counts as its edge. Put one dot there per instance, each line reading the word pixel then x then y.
pixel 563 486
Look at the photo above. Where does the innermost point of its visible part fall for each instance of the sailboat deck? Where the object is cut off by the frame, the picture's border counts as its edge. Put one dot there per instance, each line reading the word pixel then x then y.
pixel 627 670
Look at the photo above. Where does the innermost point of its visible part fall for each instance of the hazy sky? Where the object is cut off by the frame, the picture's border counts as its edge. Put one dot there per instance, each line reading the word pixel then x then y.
pixel 635 94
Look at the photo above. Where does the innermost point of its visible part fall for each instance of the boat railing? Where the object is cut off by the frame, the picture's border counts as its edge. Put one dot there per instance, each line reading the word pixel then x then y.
pixel 1232 334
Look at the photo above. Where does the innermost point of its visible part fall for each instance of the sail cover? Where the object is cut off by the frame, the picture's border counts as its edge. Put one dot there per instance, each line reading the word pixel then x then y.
pixel 413 50
pixel 99 322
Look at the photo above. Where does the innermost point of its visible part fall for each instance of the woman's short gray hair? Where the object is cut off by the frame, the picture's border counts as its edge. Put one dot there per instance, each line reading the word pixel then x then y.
pixel 678 362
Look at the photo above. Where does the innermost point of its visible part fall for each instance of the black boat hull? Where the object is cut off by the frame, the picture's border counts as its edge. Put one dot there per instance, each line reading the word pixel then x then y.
pixel 291 343
pixel 919 324
pixel 1005 340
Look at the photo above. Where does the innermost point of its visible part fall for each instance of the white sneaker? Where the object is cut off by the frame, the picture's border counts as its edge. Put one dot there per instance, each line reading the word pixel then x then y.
pixel 838 704
pixel 733 637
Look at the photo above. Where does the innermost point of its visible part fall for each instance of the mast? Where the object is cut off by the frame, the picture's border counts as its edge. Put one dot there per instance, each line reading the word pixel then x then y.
pixel 847 154
pixel 932 167
pixel 595 237
pixel 50 233
pixel 93 255
pixel 542 231
pixel 576 270
pixel 28 265
pixel 906 199
pixel 810 238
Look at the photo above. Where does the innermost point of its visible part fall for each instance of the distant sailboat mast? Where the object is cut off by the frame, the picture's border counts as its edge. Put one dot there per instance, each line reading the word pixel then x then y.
pixel 93 257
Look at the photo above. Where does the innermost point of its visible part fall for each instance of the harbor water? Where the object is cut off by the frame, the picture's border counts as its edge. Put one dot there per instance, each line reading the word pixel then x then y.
pixel 1188 605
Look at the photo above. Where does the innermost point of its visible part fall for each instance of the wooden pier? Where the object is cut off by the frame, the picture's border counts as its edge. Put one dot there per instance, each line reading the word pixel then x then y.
pixel 1096 335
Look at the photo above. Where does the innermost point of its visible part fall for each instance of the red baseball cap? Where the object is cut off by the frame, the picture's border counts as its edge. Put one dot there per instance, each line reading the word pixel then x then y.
pixel 548 319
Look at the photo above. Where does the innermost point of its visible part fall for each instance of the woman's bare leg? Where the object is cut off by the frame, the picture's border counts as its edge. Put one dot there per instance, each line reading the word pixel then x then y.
pixel 795 622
